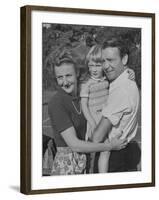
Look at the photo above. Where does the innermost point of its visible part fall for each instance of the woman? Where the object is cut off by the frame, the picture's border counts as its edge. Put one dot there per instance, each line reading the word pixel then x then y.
pixel 68 121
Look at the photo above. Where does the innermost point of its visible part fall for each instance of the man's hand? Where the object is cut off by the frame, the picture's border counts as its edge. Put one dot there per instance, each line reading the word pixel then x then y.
pixel 116 143
pixel 117 134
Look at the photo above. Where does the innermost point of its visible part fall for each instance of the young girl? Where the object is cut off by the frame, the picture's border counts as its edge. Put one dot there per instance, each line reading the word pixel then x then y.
pixel 94 94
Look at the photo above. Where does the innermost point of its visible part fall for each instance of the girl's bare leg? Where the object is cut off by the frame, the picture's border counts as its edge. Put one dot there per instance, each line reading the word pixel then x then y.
pixel 103 162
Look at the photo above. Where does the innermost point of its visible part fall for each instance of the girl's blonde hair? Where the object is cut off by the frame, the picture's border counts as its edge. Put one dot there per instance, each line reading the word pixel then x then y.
pixel 94 54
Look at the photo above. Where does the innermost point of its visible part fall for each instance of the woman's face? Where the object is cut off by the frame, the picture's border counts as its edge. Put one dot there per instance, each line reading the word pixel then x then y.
pixel 67 78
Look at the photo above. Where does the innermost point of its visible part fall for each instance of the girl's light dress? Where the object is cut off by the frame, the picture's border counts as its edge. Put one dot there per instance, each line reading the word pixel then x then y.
pixel 96 90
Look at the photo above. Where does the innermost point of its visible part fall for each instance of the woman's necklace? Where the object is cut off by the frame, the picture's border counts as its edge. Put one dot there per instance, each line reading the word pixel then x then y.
pixel 78 111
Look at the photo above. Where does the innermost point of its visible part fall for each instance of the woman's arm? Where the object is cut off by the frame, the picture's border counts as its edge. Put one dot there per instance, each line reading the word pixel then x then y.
pixel 69 135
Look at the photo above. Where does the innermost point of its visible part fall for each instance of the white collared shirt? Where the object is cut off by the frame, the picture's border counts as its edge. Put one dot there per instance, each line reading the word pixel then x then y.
pixel 122 106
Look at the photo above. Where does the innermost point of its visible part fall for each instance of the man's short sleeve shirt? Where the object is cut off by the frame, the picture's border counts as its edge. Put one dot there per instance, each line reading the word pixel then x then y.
pixel 122 106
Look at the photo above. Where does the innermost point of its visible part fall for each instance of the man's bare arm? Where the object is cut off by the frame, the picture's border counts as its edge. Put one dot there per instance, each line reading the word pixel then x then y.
pixel 102 130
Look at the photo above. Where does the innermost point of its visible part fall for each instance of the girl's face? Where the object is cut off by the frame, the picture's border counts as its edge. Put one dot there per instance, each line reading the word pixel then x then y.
pixel 67 78
pixel 95 69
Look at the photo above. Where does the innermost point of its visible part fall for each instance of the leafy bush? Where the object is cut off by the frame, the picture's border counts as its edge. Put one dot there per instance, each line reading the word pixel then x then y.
pixel 80 38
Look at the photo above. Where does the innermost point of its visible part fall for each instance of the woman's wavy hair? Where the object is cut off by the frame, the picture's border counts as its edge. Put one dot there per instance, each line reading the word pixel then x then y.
pixel 61 56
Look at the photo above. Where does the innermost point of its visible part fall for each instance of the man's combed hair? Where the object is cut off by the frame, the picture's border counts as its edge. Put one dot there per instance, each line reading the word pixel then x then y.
pixel 118 43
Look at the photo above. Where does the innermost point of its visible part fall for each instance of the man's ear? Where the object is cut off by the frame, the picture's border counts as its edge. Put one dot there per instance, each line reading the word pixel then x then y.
pixel 125 59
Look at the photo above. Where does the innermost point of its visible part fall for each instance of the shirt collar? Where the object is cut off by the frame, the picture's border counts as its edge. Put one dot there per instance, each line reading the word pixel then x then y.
pixel 120 79
pixel 98 79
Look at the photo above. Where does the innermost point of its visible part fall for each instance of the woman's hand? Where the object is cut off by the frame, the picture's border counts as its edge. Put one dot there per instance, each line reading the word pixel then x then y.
pixel 131 74
pixel 116 143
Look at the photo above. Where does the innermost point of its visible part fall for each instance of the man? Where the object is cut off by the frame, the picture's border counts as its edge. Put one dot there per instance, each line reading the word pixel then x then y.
pixel 120 113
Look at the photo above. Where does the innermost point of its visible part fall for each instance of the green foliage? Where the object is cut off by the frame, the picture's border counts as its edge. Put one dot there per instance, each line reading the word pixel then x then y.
pixel 80 38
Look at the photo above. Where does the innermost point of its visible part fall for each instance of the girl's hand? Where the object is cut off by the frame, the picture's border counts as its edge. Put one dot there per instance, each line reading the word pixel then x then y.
pixel 116 143
pixel 93 124
pixel 131 74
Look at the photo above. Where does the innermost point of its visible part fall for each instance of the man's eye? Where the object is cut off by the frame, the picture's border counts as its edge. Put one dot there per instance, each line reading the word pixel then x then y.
pixel 69 75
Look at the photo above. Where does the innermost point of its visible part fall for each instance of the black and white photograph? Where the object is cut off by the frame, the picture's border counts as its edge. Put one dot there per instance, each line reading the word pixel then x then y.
pixel 87 93
pixel 91 99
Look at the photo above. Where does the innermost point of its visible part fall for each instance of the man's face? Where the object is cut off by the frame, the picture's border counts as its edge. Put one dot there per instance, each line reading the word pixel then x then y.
pixel 113 64
pixel 66 78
